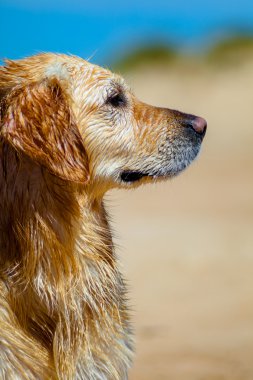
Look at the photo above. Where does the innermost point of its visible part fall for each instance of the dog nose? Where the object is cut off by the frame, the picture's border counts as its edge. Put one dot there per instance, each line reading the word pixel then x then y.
pixel 198 124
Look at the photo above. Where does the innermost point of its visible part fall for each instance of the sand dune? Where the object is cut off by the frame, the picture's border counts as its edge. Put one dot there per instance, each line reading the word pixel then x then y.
pixel 186 246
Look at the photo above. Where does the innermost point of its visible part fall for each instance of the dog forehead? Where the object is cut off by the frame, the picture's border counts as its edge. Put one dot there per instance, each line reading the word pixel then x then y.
pixel 78 71
pixel 89 77
pixel 86 83
pixel 72 72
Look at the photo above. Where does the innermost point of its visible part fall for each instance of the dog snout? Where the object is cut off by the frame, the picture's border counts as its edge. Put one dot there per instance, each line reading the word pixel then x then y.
pixel 196 123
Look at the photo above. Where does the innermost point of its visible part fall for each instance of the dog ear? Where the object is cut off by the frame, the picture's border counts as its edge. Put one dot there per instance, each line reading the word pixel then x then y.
pixel 38 121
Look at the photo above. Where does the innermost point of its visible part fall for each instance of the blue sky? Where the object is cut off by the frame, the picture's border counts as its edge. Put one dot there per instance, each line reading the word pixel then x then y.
pixel 106 29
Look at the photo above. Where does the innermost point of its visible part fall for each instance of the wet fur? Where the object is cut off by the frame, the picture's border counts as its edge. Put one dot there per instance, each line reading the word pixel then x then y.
pixel 63 312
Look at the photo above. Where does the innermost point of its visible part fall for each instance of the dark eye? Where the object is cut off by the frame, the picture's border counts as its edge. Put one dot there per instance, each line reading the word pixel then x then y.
pixel 117 100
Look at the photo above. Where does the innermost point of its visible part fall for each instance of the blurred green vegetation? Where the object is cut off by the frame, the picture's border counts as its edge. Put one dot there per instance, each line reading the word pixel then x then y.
pixel 226 51
pixel 148 54
pixel 231 50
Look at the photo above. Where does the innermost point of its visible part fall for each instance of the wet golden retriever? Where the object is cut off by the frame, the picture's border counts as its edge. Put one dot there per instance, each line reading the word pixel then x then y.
pixel 69 132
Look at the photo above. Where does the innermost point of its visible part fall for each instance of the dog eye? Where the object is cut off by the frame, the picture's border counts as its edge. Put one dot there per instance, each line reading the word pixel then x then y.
pixel 117 100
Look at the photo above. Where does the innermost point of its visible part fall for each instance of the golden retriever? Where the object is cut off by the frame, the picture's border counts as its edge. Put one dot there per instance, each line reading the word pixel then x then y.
pixel 69 132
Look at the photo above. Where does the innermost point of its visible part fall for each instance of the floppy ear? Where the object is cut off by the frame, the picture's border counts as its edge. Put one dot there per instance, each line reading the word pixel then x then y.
pixel 39 122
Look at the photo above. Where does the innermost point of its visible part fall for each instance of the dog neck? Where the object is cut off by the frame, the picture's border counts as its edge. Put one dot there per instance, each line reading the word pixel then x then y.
pixel 58 263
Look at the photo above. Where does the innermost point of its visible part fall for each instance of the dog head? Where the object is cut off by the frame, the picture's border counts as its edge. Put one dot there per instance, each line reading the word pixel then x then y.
pixel 83 124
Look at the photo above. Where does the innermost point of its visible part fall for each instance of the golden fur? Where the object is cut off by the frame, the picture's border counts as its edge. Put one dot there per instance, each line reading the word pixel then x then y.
pixel 69 132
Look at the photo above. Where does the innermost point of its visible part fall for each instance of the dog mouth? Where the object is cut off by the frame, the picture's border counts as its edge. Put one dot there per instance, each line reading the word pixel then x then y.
pixel 167 167
pixel 128 176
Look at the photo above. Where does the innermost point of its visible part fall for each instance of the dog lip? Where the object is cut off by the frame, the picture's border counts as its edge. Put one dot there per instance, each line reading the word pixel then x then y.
pixel 132 175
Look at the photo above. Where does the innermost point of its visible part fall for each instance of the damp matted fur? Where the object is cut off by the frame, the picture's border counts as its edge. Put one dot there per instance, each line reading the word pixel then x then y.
pixel 69 132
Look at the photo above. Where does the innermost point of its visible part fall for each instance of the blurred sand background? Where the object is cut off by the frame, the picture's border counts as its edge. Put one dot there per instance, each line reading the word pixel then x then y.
pixel 186 246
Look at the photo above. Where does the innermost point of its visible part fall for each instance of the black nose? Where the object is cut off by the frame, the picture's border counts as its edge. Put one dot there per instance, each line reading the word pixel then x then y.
pixel 198 124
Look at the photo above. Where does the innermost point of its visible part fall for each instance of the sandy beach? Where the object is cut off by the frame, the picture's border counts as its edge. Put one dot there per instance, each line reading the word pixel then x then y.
pixel 186 246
